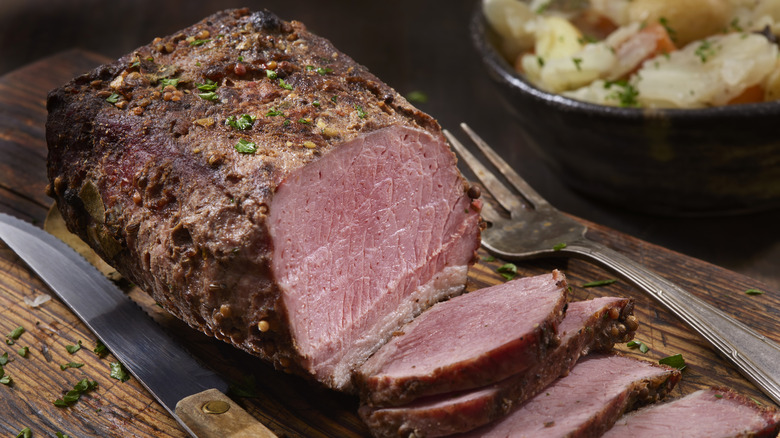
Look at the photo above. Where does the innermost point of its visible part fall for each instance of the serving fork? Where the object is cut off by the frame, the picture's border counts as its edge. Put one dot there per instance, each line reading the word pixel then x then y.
pixel 536 229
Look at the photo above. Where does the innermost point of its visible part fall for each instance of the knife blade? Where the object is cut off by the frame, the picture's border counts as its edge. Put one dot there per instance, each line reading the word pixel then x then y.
pixel 193 394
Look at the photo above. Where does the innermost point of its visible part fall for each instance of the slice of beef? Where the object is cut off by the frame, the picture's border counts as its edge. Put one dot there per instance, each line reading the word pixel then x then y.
pixel 593 325
pixel 588 401
pixel 467 342
pixel 711 413
pixel 264 188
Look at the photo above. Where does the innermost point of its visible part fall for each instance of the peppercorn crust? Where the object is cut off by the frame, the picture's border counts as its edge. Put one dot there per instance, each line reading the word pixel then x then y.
pixel 166 161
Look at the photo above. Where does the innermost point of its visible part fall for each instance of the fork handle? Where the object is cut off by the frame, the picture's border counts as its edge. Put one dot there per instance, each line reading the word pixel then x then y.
pixel 756 357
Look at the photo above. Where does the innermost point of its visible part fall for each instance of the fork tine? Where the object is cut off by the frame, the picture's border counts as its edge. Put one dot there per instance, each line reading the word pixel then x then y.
pixel 496 188
pixel 516 180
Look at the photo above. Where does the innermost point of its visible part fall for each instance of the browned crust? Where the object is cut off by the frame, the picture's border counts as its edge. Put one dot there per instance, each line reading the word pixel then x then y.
pixel 148 174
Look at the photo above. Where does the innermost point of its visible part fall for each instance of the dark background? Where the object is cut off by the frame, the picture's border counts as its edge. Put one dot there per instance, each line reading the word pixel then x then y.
pixel 413 46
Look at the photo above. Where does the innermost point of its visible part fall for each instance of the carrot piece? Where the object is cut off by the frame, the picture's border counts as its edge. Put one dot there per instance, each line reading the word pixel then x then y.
pixel 663 41
pixel 752 94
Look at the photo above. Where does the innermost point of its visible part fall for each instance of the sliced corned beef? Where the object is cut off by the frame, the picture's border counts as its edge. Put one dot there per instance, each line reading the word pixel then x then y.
pixel 587 402
pixel 711 413
pixel 594 325
pixel 467 342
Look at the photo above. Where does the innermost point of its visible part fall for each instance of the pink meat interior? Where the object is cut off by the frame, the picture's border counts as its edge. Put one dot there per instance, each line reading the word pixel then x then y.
pixel 473 325
pixel 364 238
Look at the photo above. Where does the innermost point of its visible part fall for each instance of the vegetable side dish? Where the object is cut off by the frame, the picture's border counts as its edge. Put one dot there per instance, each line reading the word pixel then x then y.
pixel 644 53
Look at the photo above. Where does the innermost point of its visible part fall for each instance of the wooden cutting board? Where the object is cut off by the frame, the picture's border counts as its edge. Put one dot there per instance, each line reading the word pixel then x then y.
pixel 288 405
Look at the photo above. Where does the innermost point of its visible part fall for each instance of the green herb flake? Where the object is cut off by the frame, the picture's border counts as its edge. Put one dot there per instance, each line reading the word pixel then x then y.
pixel 540 61
pixel 304 121
pixel 14 335
pixel 577 63
pixel 271 74
pixel 675 361
pixel 598 283
pixel 334 99
pixel 6 380
pixel 489 258
pixel 286 122
pixel 360 111
pixel 672 33
pixel 100 349
pixel 210 95
pixel 273 112
pixel 626 94
pixel 118 372
pixel 246 147
pixel 135 64
pixel 718 395
pixel 23 351
pixel 174 82
pixel 705 51
pixel 196 43
pixel 638 344
pixel 508 271
pixel 735 25
pixel 417 97
pixel 209 85
pixel 559 246
pixel 65 366
pixel 72 396
pixel 73 348
pixel 4 359
pixel 113 98
pixel 284 84
pixel 316 103
pixel 754 292
pixel 240 58
pixel 24 433
pixel 242 122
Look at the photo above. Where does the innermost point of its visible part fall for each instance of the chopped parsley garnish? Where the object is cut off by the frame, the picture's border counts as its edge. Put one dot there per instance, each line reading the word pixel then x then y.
pixel 705 51
pixel 577 63
pixel 286 122
pixel 271 74
pixel 665 23
pixel 72 396
pixel 559 246
pixel 675 361
pixel 113 98
pixel 540 61
pixel 361 113
pixel 118 372
pixel 24 433
pixel 100 349
pixel 65 366
pixel 284 84
pixel 273 112
pixel 754 292
pixel 489 258
pixel 319 70
pixel 14 335
pixel 626 94
pixel 638 344
pixel 210 95
pixel 23 351
pixel 316 103
pixel 735 24
pixel 417 96
pixel 599 282
pixel 73 348
pixel 246 147
pixel 135 64
pixel 169 81
pixel 508 271
pixel 718 395
pixel 304 121
pixel 208 86
pixel 199 42
pixel 334 99
pixel 240 58
pixel 242 122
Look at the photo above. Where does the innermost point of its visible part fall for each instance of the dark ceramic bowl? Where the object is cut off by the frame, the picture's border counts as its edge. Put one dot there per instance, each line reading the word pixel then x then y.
pixel 721 160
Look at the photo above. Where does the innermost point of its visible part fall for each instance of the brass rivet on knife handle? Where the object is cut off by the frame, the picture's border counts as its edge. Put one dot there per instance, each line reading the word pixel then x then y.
pixel 213 414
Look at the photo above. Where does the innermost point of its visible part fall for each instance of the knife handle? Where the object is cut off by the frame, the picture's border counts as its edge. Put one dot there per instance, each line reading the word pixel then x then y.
pixel 211 414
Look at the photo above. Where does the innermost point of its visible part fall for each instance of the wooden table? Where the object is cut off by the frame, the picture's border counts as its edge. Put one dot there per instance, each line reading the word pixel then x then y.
pixel 288 405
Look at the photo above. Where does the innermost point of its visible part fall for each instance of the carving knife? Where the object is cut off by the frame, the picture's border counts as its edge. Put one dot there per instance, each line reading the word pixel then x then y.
pixel 193 394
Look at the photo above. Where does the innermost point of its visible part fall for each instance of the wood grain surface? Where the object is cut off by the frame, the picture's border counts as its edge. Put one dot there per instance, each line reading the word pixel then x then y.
pixel 288 405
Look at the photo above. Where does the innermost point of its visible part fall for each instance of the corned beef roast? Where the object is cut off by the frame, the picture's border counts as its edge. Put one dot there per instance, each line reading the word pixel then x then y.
pixel 588 401
pixel 469 341
pixel 264 188
pixel 710 413
pixel 593 325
